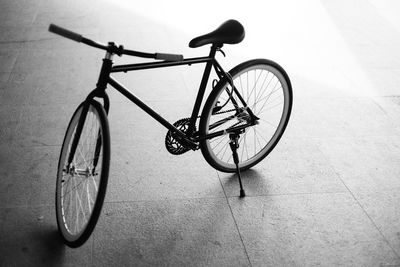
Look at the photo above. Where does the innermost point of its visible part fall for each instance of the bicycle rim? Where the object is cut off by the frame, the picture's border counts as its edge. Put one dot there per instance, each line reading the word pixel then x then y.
pixel 81 185
pixel 266 90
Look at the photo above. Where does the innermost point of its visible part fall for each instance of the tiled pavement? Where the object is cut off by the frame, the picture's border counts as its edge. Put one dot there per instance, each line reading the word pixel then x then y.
pixel 328 194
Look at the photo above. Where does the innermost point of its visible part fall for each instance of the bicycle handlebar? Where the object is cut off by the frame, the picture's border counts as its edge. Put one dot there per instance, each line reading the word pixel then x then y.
pixel 65 33
pixel 111 48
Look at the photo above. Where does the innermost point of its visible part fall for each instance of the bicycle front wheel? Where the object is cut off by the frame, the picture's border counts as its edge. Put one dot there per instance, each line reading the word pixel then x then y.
pixel 259 85
pixel 82 183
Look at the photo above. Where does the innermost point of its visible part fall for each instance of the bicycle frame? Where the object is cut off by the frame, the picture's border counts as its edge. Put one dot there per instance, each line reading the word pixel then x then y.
pixel 210 61
pixel 191 138
pixel 105 78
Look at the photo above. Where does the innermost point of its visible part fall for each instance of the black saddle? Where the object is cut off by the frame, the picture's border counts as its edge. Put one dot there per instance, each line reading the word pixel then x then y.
pixel 230 32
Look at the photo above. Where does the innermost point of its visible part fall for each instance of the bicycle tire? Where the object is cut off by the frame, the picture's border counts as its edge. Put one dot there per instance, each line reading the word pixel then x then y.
pixel 82 173
pixel 262 73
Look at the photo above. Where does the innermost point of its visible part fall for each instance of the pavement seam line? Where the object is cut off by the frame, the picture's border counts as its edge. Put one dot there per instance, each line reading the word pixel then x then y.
pixel 369 217
pixel 362 208
pixel 379 106
pixel 234 219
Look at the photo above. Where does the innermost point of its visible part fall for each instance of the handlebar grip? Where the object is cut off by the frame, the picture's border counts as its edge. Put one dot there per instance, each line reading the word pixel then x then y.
pixel 169 57
pixel 65 33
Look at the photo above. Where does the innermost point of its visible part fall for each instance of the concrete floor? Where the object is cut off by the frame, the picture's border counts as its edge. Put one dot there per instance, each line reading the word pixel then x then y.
pixel 328 194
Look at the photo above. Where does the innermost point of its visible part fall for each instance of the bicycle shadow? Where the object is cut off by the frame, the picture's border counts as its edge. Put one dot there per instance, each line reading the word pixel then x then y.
pixel 33 246
pixel 254 182
pixel 176 231
pixel 50 248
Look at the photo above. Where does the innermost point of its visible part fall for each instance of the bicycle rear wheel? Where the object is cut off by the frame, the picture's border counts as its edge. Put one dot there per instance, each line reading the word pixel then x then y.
pixel 81 185
pixel 265 89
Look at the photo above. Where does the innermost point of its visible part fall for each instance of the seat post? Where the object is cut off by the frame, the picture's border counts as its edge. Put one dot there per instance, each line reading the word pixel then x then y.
pixel 202 89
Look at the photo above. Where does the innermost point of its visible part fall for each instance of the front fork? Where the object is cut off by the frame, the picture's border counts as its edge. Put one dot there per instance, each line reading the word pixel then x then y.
pixel 98 142
pixel 85 109
pixel 99 92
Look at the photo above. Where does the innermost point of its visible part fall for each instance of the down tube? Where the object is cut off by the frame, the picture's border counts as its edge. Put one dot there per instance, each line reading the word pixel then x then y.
pixel 120 88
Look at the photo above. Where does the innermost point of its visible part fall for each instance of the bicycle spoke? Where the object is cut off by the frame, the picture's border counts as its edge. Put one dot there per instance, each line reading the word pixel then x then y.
pixel 73 188
pixel 278 100
pixel 69 207
pixel 241 85
pixel 266 98
pixel 227 142
pixel 270 123
pixel 265 90
pixel 270 108
pixel 244 145
pixel 76 209
pixel 226 148
pixel 265 102
pixel 222 139
pixel 80 203
pixel 255 138
pixel 94 183
pixel 216 138
pixel 89 199
pixel 260 135
pixel 255 84
pixel 247 84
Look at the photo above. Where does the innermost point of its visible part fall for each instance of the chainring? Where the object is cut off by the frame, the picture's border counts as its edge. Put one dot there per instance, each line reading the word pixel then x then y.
pixel 172 142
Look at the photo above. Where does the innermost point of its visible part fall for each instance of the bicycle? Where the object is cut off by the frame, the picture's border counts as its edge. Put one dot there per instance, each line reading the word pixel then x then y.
pixel 246 111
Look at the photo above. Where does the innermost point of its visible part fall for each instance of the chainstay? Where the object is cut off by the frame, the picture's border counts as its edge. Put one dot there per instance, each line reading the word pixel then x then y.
pixel 221 112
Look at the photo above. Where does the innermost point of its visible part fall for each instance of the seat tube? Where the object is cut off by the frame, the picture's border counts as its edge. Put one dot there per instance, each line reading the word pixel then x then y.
pixel 202 89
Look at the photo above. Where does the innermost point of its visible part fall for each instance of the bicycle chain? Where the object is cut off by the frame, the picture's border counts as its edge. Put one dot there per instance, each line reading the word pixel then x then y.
pixel 221 112
pixel 173 144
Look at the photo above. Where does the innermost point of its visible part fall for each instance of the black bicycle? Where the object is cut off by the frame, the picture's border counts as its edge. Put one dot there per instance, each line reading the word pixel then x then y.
pixel 242 120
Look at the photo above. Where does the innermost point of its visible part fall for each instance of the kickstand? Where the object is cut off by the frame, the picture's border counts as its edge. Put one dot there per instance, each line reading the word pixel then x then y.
pixel 234 144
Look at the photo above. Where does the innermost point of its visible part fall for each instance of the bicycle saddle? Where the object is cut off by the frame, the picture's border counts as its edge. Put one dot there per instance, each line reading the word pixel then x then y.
pixel 230 32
